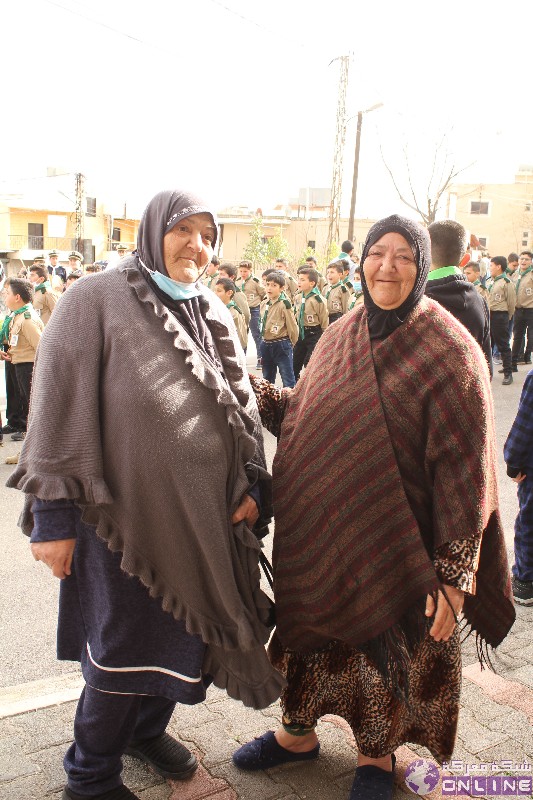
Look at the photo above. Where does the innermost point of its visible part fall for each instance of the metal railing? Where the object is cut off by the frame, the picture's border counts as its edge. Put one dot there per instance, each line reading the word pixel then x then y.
pixel 14 242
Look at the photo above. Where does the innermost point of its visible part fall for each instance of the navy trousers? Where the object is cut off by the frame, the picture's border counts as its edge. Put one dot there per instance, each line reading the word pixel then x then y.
pixel 523 532
pixel 104 726
pixel 278 355
pixel 254 327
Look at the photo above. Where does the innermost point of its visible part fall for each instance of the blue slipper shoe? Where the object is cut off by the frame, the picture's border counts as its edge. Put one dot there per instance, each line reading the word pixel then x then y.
pixel 264 752
pixel 373 783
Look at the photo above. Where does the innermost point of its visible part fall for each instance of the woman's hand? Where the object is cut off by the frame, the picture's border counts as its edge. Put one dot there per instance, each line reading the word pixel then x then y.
pixel 56 555
pixel 444 622
pixel 247 511
pixel 519 478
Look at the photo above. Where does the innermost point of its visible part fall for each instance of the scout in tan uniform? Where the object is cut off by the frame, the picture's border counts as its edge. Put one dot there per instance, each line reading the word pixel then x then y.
pixel 312 316
pixel 254 294
pixel 225 289
pixel 472 273
pixel 336 293
pixel 279 331
pixel 356 298
pixel 230 272
pixel 502 301
pixel 310 261
pixel 523 318
pixel 291 287
pixel 22 330
pixel 44 299
pixel 212 274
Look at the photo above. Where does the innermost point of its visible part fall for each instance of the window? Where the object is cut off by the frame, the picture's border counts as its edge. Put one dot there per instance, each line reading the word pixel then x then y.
pixel 35 236
pixel 526 234
pixel 478 207
pixel 116 235
pixel 312 244
pixel 527 207
pixel 482 241
pixel 91 206
pixel 525 238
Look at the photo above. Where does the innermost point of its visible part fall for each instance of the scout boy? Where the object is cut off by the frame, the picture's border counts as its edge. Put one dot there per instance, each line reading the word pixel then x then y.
pixel 279 332
pixel 225 289
pixel 312 316
pixel 336 292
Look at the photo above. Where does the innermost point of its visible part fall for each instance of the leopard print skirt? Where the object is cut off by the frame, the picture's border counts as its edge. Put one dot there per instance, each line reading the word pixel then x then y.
pixel 341 680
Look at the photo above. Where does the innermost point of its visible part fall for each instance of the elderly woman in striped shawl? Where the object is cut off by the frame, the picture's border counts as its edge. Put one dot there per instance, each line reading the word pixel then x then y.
pixel 387 522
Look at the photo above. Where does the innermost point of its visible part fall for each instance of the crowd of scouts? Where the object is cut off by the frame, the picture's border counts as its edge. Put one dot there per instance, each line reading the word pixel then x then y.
pixel 286 316
pixel 30 299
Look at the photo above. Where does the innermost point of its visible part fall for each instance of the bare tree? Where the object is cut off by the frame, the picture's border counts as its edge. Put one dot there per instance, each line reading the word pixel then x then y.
pixel 426 197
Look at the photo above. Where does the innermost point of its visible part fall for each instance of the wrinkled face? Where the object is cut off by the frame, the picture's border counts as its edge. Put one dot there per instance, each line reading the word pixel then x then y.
pixel 188 247
pixel 390 271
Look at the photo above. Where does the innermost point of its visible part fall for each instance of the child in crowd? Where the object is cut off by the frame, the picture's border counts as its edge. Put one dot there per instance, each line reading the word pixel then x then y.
pixel 254 293
pixel 518 452
pixel 21 330
pixel 502 301
pixel 279 332
pixel 229 271
pixel 225 288
pixel 336 293
pixel 472 273
pixel 44 299
pixel 356 298
pixel 312 315
pixel 346 274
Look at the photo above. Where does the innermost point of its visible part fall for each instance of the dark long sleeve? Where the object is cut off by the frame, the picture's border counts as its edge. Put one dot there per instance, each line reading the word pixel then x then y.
pixel 53 520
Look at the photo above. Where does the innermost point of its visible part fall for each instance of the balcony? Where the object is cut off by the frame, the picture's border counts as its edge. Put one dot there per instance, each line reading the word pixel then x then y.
pixel 35 244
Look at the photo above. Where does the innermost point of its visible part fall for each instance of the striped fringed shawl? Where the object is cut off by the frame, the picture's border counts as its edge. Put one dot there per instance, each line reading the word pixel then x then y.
pixel 386 453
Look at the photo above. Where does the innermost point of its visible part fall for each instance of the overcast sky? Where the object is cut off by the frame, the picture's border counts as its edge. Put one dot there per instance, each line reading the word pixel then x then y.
pixel 237 99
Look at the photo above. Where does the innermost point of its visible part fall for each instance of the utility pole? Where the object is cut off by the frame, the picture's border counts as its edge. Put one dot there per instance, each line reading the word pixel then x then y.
pixel 80 197
pixel 338 155
pixel 351 221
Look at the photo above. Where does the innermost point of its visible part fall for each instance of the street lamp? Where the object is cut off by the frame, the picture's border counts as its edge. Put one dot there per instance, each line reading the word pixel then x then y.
pixel 351 221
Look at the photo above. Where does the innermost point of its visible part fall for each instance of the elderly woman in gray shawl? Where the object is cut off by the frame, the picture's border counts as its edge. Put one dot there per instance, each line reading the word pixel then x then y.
pixel 159 582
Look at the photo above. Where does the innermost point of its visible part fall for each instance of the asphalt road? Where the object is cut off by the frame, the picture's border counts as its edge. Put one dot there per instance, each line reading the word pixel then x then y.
pixel 28 593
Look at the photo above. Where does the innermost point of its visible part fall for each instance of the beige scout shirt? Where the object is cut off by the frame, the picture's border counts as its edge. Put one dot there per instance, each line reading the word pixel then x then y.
pixel 211 280
pixel 337 297
pixel 24 336
pixel 44 303
pixel 291 287
pixel 238 319
pixel 524 289
pixel 356 299
pixel 240 300
pixel 280 321
pixel 315 313
pixel 482 290
pixel 502 296
pixel 253 290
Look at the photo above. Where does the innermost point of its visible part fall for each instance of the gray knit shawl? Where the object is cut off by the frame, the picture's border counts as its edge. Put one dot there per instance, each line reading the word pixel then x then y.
pixel 130 420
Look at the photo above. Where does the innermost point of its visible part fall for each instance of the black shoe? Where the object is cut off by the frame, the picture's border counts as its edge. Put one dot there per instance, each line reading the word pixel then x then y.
pixel 527 361
pixel 373 783
pixel 507 380
pixel 9 429
pixel 166 756
pixel 514 368
pixel 264 752
pixel 120 793
pixel 522 592
pixel 19 436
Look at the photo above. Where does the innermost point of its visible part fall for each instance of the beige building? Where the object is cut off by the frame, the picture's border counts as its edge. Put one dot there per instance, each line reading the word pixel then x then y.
pixel 500 215
pixel 39 215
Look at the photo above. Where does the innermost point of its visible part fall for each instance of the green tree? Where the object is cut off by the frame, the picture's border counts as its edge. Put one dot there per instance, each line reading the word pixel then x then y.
pixel 256 249
pixel 277 247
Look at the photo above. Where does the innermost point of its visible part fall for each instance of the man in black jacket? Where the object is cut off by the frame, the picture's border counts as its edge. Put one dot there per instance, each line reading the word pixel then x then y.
pixel 449 287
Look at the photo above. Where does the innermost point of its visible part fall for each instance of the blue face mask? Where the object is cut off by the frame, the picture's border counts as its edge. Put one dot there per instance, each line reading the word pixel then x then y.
pixel 176 290
pixel 357 286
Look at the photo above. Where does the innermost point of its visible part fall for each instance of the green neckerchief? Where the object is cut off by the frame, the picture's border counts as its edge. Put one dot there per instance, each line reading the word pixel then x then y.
pixel 499 277
pixel 4 332
pixel 333 286
pixel 233 304
pixel 477 282
pixel 529 269
pixel 443 272
pixel 268 306
pixel 212 277
pixel 42 287
pixel 301 325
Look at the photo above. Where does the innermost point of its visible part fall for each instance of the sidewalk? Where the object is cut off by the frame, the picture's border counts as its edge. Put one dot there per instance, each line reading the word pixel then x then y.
pixel 496 725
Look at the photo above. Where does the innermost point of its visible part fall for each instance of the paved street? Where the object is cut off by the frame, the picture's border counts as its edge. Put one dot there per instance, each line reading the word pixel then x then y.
pixel 37 694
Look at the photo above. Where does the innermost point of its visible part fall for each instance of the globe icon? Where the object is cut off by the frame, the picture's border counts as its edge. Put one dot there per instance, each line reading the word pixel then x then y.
pixel 422 776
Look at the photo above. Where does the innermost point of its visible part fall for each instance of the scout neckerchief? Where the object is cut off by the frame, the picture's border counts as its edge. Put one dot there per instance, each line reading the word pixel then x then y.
pixel 213 277
pixel 42 287
pixel 4 332
pixel 269 305
pixel 333 286
pixel 529 269
pixel 442 272
pixel 301 323
pixel 233 304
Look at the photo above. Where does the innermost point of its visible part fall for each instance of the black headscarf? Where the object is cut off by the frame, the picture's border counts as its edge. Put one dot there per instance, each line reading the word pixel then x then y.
pixel 382 323
pixel 164 211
